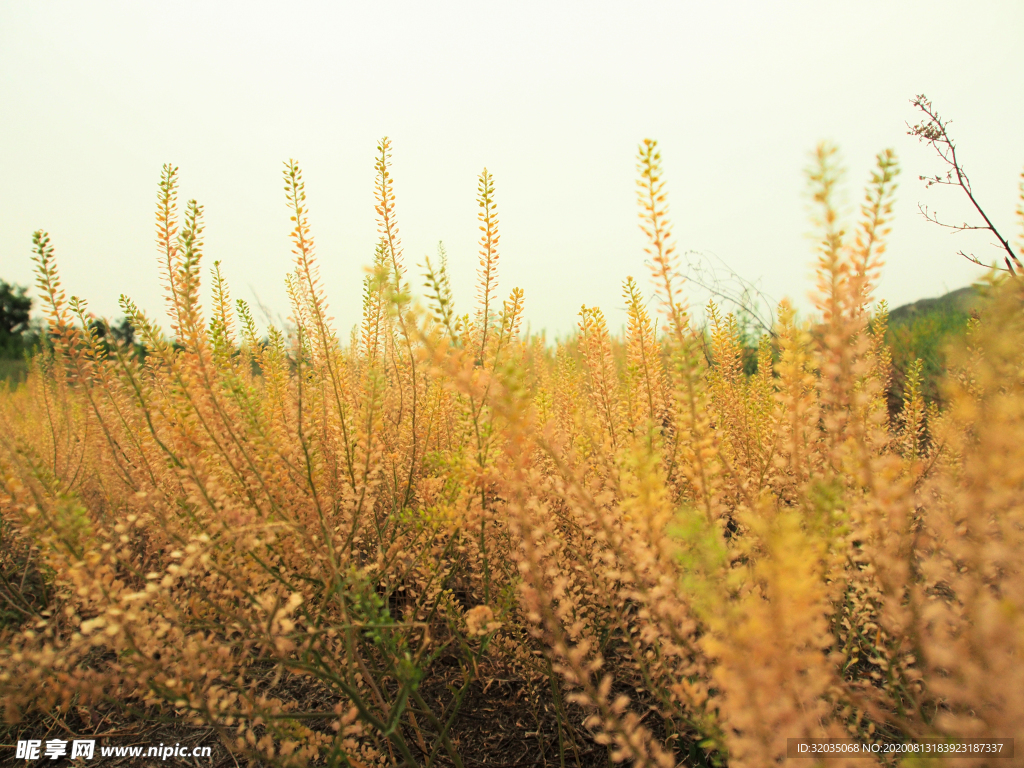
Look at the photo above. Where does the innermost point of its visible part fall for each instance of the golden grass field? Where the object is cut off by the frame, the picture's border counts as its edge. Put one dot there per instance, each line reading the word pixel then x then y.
pixel 441 541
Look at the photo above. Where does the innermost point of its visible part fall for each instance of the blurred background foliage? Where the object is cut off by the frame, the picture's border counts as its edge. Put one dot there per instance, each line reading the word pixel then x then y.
pixel 920 330
pixel 21 334
pixel 924 330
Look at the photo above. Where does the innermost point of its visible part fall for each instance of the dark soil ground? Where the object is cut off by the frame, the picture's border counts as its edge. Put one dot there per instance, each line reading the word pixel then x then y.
pixel 503 723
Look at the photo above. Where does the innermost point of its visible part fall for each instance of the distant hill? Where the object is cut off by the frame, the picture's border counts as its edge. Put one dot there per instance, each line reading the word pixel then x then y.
pixel 960 301
pixel 923 330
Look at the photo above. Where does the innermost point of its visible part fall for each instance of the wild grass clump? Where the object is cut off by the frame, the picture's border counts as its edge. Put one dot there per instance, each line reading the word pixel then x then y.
pixel 376 550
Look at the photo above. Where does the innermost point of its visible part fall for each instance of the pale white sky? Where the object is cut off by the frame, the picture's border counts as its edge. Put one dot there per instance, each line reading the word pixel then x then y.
pixel 552 97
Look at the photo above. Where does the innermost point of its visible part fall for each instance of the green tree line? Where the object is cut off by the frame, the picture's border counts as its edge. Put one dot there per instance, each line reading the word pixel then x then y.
pixel 20 337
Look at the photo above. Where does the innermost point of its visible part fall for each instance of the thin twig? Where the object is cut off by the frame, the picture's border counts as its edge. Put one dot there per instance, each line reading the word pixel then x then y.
pixel 935 132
